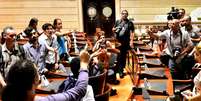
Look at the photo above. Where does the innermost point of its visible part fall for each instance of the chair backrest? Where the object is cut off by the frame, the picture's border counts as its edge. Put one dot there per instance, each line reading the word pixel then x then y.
pixel 105 95
pixel 98 82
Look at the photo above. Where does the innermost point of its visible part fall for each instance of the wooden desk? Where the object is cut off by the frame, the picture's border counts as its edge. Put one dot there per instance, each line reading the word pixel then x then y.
pixel 139 53
pixel 169 87
pixel 55 82
pixel 153 98
pixel 169 81
pixel 153 73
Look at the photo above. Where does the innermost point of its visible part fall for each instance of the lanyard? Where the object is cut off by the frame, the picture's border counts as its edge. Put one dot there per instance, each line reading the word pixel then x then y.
pixel 171 44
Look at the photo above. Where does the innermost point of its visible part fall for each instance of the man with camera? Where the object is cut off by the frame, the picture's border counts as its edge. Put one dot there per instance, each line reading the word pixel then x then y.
pixel 178 46
pixel 124 32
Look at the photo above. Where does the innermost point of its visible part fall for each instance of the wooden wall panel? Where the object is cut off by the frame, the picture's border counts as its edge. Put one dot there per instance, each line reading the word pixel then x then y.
pixel 38 3
pixel 17 13
pixel 147 9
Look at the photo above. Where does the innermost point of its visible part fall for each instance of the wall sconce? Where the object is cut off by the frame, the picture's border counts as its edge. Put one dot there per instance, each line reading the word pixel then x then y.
pixel 107 12
pixel 92 12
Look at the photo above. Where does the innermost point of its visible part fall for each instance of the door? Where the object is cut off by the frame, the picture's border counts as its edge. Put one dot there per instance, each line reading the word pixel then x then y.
pixel 99 14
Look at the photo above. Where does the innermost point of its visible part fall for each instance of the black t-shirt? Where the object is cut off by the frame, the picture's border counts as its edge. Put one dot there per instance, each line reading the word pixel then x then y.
pixel 124 28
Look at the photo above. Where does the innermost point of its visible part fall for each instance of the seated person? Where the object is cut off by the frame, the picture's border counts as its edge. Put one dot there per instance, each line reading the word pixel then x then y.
pixel 197 80
pixel 71 81
pixel 34 51
pixel 103 58
pixel 23 79
pixel 49 40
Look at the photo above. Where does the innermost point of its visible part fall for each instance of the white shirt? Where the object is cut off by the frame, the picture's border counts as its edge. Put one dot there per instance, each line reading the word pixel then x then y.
pixel 50 55
pixel 89 96
pixel 9 58
pixel 173 42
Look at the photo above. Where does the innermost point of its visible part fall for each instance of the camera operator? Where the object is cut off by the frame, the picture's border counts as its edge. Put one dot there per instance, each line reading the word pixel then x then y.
pixel 178 46
pixel 182 13
pixel 124 31
pixel 176 13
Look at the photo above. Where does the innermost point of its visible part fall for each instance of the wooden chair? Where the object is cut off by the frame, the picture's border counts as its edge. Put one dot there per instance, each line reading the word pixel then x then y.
pixel 98 82
pixel 105 95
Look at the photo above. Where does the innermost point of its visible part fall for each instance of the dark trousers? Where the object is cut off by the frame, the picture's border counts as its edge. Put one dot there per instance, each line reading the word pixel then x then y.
pixel 121 59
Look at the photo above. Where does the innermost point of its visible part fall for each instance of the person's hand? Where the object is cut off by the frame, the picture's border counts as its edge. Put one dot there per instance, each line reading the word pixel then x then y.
pixel 103 51
pixel 187 94
pixel 55 50
pixel 131 44
pixel 100 40
pixel 84 59
pixel 56 66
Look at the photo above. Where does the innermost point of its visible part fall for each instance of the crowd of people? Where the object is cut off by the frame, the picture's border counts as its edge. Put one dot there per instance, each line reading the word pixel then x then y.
pixel 22 65
pixel 180 48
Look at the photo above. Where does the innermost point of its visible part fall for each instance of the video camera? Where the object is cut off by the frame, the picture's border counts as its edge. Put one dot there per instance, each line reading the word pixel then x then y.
pixel 173 14
pixel 176 51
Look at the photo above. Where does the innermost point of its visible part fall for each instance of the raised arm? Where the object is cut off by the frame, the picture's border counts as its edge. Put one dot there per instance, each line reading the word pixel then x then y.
pixel 80 87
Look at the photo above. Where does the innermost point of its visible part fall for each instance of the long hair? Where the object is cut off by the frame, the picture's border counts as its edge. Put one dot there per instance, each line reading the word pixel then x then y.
pixel 20 79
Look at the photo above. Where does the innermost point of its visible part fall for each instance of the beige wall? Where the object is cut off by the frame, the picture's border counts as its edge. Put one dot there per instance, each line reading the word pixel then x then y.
pixel 147 9
pixel 18 12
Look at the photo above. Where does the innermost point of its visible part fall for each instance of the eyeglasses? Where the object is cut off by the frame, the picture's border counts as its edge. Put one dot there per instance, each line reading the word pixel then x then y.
pixel 12 35
pixel 124 13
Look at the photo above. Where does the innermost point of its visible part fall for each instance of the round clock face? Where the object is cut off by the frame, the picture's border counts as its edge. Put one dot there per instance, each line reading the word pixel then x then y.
pixel 91 12
pixel 107 11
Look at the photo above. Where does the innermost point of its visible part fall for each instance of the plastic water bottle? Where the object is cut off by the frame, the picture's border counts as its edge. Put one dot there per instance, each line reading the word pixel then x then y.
pixel 145 93
pixel 146 68
pixel 44 81
pixel 144 58
pixel 138 51
pixel 146 84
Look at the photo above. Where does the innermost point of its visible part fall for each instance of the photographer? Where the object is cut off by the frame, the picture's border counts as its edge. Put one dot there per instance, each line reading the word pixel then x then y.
pixel 124 32
pixel 178 46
